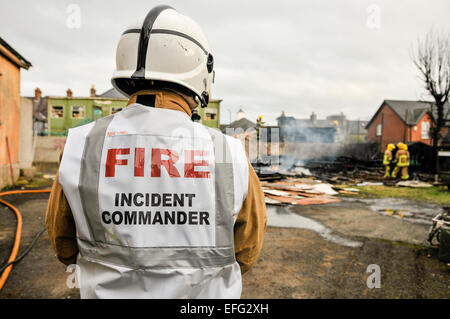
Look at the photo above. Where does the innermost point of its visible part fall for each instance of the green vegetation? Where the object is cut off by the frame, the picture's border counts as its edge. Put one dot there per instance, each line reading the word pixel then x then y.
pixel 421 249
pixel 435 194
pixel 39 182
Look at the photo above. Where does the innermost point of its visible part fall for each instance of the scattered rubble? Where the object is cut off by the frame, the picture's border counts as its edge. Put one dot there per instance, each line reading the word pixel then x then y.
pixel 369 184
pixel 414 184
pixel 347 191
pixel 298 191
pixel 333 170
pixel 291 180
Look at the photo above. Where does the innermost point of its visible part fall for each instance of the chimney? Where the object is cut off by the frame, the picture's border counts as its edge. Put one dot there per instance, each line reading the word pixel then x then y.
pixel 37 94
pixel 93 91
pixel 69 93
pixel 313 117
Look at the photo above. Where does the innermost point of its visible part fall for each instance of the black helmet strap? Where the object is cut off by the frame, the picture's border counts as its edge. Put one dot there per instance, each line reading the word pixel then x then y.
pixel 144 37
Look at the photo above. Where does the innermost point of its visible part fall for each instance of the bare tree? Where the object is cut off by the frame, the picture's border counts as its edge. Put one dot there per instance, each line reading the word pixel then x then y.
pixel 432 57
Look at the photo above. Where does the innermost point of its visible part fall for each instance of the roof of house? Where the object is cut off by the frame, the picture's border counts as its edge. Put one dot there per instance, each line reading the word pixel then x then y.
pixel 243 123
pixel 446 112
pixel 410 112
pixel 19 59
pixel 308 123
pixel 112 93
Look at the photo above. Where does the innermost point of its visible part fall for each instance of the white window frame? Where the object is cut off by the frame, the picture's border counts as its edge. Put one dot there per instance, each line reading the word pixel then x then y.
pixel 425 130
pixel 379 129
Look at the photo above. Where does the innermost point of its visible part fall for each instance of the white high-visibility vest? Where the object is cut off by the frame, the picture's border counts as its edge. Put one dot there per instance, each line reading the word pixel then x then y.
pixel 154 197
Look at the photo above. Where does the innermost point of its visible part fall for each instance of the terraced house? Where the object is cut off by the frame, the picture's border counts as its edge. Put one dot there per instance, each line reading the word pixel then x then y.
pixel 54 115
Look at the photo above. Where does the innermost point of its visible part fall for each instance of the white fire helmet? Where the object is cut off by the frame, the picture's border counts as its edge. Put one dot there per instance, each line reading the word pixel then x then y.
pixel 166 49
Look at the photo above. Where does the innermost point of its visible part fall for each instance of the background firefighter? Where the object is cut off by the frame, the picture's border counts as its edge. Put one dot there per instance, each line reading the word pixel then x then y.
pixel 402 158
pixel 387 160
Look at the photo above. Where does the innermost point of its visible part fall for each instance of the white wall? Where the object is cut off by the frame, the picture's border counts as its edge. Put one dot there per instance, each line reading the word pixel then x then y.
pixel 26 133
pixel 48 148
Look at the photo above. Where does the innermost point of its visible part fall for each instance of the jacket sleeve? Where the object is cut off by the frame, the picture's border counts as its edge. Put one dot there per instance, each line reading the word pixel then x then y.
pixel 61 225
pixel 250 224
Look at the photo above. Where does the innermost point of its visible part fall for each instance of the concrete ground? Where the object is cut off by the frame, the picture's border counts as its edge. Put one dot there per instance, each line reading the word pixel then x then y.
pixel 299 263
pixel 294 263
pixel 39 274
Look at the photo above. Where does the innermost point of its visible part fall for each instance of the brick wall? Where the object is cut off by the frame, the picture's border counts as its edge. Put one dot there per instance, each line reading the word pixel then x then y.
pixel 394 130
pixel 415 132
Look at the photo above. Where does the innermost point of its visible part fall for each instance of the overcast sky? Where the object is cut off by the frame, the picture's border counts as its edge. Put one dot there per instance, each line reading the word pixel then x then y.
pixel 297 56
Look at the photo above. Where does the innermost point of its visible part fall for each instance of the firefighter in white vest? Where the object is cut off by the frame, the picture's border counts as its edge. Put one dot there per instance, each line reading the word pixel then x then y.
pixel 147 202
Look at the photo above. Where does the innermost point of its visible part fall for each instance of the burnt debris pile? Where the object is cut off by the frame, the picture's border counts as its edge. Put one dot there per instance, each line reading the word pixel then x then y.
pixel 352 163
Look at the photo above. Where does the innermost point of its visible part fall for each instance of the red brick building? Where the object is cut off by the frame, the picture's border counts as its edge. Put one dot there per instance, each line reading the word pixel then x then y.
pixel 401 121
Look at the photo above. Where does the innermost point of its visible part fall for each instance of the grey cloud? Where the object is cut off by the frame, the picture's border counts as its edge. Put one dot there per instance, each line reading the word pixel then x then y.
pixel 297 56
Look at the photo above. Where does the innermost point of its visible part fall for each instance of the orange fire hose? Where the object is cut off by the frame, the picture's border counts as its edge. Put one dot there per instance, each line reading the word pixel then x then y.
pixel 16 245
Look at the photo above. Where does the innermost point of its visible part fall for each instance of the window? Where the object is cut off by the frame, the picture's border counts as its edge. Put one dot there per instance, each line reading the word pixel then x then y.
pixel 379 129
pixel 115 109
pixel 57 111
pixel 210 113
pixel 77 112
pixel 425 130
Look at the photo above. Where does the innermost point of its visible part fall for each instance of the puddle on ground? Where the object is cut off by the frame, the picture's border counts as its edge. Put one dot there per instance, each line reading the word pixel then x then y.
pixel 404 209
pixel 279 216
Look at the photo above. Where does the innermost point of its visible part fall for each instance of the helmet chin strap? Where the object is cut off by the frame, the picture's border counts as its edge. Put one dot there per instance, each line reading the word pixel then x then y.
pixel 205 99
pixel 195 116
